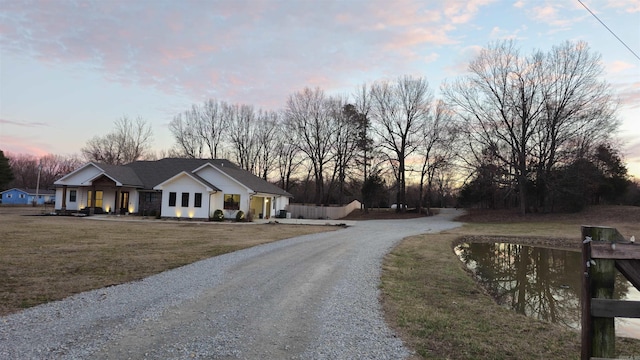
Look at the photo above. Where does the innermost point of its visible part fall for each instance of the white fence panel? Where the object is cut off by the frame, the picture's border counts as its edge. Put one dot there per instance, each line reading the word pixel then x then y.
pixel 321 212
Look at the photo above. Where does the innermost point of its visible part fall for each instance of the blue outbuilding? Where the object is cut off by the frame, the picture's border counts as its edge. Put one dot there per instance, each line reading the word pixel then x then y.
pixel 18 196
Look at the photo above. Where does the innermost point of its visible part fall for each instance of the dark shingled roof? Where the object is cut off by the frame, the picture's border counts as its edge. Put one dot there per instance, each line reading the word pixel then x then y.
pixel 151 173
pixel 123 174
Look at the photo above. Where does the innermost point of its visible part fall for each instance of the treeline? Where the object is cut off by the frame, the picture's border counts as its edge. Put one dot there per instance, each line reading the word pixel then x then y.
pixel 531 131
pixel 23 170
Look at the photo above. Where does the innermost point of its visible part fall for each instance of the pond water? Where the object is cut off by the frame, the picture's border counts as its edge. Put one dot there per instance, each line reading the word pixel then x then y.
pixel 539 282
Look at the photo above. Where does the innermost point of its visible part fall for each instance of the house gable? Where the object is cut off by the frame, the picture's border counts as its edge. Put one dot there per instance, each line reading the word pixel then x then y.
pixel 242 177
pixel 209 187
pixel 80 176
pixel 211 173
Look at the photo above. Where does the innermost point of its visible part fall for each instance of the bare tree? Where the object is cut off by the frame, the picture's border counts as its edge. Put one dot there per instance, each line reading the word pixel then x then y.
pixel 200 131
pixel 186 130
pixel 128 142
pixel 268 122
pixel 435 149
pixel 533 111
pixel 578 110
pixel 288 154
pixel 309 116
pixel 399 111
pixel 212 126
pixel 345 140
pixel 500 105
pixel 243 135
pixel 51 167
pixel 25 170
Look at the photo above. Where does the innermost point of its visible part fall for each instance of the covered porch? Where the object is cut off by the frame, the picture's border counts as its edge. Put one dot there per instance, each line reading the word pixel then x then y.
pixel 99 195
pixel 262 206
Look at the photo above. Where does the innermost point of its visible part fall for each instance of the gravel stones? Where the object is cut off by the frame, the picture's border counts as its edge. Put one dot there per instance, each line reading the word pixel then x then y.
pixel 311 297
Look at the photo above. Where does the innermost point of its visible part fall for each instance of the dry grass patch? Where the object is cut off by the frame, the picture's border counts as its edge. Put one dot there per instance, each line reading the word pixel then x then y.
pixel 442 313
pixel 49 258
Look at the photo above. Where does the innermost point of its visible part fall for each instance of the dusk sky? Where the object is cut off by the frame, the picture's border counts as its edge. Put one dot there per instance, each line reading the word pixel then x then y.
pixel 69 69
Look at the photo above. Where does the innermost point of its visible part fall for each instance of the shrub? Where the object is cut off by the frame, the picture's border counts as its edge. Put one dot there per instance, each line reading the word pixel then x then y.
pixel 218 215
pixel 240 216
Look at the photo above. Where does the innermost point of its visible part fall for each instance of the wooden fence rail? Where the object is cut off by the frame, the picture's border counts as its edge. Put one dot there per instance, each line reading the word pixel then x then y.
pixel 603 251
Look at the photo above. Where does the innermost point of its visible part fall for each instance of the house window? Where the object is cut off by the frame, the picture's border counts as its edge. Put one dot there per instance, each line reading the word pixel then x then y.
pixel 72 195
pixel 197 200
pixel 150 197
pixel 185 200
pixel 172 199
pixel 98 200
pixel 21 196
pixel 232 202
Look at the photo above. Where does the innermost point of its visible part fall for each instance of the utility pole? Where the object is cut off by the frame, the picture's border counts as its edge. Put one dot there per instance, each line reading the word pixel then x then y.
pixel 35 201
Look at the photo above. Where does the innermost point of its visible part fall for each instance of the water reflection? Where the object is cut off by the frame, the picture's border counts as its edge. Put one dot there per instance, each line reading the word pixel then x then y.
pixel 538 282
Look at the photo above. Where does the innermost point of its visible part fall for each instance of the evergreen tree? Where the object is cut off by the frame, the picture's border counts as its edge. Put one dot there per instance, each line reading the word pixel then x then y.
pixel 6 175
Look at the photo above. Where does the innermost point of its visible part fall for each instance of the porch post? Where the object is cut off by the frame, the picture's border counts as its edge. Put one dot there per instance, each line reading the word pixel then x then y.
pixel 264 207
pixel 64 198
pixel 92 200
pixel 116 207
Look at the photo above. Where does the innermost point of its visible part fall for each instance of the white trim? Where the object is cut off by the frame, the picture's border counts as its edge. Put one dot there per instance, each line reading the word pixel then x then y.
pixel 61 180
pixel 162 184
pixel 90 180
pixel 225 174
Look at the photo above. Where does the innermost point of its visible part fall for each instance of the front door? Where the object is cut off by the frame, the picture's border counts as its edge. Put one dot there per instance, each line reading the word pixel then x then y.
pixel 124 202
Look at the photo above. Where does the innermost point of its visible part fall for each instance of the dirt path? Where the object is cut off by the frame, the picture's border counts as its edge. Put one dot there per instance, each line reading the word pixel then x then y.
pixel 314 296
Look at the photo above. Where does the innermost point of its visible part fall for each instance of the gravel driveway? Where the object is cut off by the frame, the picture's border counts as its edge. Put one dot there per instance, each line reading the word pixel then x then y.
pixel 310 297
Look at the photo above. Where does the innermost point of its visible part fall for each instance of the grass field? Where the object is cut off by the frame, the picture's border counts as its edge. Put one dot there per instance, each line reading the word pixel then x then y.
pixel 46 258
pixel 428 296
pixel 442 313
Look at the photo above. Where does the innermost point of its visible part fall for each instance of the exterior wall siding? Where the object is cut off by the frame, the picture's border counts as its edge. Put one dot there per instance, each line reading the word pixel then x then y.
pixel 184 184
pixel 20 197
pixel 228 186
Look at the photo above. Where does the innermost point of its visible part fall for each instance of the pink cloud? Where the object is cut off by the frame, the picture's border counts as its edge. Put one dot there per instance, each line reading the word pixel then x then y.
pixel 173 46
pixel 558 16
pixel 630 6
pixel 629 94
pixel 620 66
pixel 23 145
pixel 460 11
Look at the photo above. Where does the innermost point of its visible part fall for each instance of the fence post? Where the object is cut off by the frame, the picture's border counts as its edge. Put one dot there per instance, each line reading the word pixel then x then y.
pixel 598 333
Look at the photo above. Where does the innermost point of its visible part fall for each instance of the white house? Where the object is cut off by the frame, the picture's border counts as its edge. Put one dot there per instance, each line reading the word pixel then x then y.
pixel 174 188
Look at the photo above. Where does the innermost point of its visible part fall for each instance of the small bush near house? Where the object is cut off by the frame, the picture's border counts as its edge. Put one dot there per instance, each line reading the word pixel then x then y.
pixel 240 216
pixel 218 215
